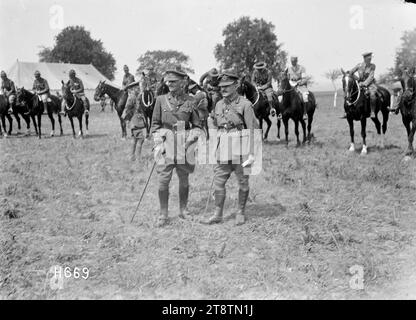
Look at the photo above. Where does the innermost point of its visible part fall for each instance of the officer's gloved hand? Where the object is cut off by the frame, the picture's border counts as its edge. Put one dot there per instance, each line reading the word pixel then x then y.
pixel 249 161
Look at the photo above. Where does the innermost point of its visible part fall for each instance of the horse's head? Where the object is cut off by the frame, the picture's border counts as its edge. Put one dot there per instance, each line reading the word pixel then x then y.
pixel 408 83
pixel 349 85
pixel 21 95
pixel 66 91
pixel 99 91
pixel 283 81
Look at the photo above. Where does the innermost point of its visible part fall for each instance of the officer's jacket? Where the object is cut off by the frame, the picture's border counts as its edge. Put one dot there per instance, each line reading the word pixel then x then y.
pixel 296 73
pixel 8 85
pixel 76 84
pixel 235 113
pixel 365 73
pixel 40 85
pixel 127 79
pixel 169 110
pixel 262 77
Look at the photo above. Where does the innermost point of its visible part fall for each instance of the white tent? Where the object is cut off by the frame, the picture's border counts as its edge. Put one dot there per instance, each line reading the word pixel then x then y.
pixel 22 73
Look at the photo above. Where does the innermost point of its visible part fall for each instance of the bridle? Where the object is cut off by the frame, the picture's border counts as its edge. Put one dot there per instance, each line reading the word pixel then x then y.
pixel 244 85
pixel 354 92
pixel 75 98
pixel 147 105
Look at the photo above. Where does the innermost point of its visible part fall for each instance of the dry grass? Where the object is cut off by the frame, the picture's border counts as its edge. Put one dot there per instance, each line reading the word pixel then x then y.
pixel 314 212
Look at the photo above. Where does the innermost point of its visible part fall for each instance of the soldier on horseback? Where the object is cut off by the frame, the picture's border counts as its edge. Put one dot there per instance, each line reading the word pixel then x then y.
pixel 149 79
pixel 262 79
pixel 9 90
pixel 41 88
pixel 367 80
pixel 298 79
pixel 209 80
pixel 77 89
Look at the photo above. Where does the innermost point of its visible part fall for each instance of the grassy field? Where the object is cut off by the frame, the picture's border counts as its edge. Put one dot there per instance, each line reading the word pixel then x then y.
pixel 314 212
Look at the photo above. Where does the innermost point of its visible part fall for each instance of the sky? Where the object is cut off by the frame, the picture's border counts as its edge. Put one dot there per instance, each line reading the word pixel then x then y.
pixel 324 34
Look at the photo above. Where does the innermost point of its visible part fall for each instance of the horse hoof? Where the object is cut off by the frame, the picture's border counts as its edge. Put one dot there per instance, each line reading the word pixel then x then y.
pixel 364 151
pixel 278 139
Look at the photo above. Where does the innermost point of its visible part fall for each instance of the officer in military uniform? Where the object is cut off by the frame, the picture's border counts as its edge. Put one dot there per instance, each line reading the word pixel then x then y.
pixel 367 80
pixel 77 89
pixel 174 116
pixel 201 102
pixel 41 88
pixel 9 90
pixel 297 78
pixel 232 114
pixel 262 79
pixel 209 80
pixel 130 96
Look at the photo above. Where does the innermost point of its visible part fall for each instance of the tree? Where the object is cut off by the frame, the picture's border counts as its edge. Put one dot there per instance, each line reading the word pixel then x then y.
pixel 164 60
pixel 406 53
pixel 247 41
pixel 334 75
pixel 75 45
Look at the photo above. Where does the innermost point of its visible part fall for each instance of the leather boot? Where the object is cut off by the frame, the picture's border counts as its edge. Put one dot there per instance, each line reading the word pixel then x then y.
pixel 183 202
pixel 219 207
pixel 164 201
pixel 240 217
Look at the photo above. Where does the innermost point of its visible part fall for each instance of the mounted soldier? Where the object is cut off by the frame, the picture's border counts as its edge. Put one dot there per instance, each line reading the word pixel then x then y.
pixel 298 80
pixel 209 81
pixel 149 79
pixel 41 88
pixel 201 103
pixel 77 88
pixel 232 114
pixel 366 80
pixel 262 79
pixel 174 115
pixel 9 90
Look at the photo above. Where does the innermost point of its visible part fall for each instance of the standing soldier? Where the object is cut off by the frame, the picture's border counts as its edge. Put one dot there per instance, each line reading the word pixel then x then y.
pixel 41 88
pixel 367 80
pixel 9 90
pixel 129 96
pixel 173 114
pixel 232 114
pixel 201 103
pixel 211 85
pixel 262 79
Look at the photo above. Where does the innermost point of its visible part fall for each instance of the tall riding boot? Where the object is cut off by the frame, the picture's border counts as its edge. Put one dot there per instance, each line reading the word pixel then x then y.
pixel 240 218
pixel 183 202
pixel 219 207
pixel 164 201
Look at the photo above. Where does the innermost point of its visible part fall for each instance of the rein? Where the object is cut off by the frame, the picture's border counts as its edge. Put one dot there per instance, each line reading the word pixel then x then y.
pixel 73 104
pixel 147 105
pixel 358 95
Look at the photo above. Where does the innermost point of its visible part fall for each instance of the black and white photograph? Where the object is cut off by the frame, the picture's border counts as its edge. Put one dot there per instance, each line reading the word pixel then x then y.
pixel 203 151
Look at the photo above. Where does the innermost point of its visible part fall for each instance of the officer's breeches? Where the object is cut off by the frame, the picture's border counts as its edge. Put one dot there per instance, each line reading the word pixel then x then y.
pixel 223 171
pixel 165 174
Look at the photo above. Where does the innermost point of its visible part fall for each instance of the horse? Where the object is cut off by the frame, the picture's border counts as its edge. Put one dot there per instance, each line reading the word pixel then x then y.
pixel 30 101
pixel 407 106
pixel 292 107
pixel 260 104
pixel 4 113
pixel 74 107
pixel 357 108
pixel 53 106
pixel 118 97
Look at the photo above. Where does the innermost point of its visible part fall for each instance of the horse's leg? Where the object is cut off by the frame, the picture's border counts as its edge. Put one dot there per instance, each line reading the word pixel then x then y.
pixel 50 115
pixel 27 120
pixel 364 135
pixel 72 126
pixel 123 128
pixel 10 124
pixel 32 116
pixel 286 124
pixel 40 124
pixel 269 124
pixel 3 122
pixel 80 134
pixel 303 124
pixel 297 132
pixel 279 124
pixel 411 136
pixel 261 126
pixel 351 125
pixel 384 127
pixel 378 129
pixel 19 127
pixel 60 124
pixel 87 117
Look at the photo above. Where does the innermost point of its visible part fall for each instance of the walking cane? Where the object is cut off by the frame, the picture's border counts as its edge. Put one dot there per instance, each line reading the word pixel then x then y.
pixel 212 182
pixel 144 190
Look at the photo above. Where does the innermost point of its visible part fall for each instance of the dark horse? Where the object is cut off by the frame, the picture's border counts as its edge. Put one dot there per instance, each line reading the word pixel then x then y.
pixel 31 103
pixel 118 97
pixel 292 106
pixel 260 104
pixel 407 106
pixel 357 107
pixel 4 107
pixel 74 107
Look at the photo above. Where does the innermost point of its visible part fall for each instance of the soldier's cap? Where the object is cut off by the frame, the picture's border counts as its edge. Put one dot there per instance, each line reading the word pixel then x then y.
pixel 72 71
pixel 293 58
pixel 175 74
pixel 213 72
pixel 260 65
pixel 125 66
pixel 227 78
pixel 2 73
pixel 366 54
pixel 37 73
pixel 192 84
